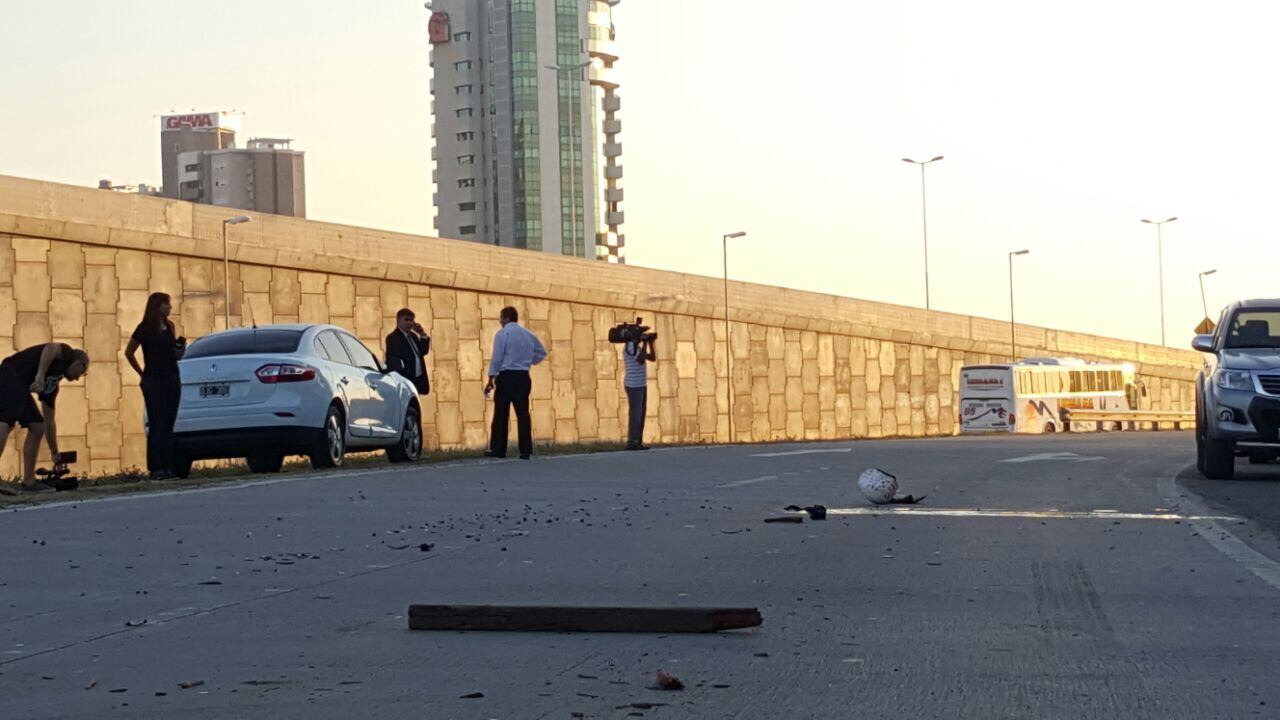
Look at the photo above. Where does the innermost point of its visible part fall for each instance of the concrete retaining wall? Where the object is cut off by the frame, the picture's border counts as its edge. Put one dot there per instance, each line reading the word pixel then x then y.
pixel 77 264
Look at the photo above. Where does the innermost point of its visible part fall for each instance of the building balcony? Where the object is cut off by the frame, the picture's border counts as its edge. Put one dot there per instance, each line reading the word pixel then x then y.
pixel 612 127
pixel 613 172
pixel 613 195
pixel 605 77
pixel 612 150
pixel 602 48
pixel 612 103
pixel 614 218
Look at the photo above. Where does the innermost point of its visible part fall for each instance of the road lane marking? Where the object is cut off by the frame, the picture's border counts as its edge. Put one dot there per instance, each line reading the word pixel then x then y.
pixel 1263 567
pixel 749 481
pixel 802 452
pixel 1026 514
pixel 1053 457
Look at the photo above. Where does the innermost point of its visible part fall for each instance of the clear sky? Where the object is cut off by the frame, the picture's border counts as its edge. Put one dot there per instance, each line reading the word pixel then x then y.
pixel 1062 126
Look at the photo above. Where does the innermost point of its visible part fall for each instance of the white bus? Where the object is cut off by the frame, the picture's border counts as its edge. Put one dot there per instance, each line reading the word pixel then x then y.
pixel 1032 396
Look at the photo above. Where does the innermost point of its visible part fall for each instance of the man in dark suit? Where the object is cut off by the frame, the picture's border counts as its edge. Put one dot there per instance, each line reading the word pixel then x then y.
pixel 407 348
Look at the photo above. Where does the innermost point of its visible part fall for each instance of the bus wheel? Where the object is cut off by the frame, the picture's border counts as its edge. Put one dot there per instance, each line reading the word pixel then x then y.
pixel 1050 428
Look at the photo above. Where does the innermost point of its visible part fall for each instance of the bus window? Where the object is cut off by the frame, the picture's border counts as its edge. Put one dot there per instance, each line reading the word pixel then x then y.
pixel 1037 383
pixel 1076 384
pixel 1090 381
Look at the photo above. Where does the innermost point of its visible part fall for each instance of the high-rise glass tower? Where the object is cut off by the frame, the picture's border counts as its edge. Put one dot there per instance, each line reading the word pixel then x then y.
pixel 524 99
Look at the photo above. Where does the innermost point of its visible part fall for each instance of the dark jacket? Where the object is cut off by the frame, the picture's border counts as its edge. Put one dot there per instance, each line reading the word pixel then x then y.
pixel 399 348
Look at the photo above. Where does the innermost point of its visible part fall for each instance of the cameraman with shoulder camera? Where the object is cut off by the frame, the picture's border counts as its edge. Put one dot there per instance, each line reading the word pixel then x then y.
pixel 637 352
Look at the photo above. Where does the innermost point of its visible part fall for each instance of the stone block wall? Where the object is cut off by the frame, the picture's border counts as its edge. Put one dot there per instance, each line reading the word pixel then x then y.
pixel 77 264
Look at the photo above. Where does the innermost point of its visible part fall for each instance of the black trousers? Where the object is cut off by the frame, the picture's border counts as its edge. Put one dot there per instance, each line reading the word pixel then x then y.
pixel 511 387
pixel 161 395
pixel 637 399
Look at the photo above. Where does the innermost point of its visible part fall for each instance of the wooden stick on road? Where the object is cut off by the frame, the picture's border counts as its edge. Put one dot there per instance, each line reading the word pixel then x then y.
pixel 581 619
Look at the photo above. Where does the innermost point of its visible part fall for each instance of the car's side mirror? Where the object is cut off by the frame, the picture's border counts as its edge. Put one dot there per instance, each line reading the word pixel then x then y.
pixel 1203 343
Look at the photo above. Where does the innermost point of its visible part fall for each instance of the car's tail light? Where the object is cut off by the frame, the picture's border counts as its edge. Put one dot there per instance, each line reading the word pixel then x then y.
pixel 1013 419
pixel 285 373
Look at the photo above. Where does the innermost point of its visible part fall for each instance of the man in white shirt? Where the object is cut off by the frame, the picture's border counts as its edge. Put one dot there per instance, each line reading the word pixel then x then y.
pixel 635 356
pixel 515 350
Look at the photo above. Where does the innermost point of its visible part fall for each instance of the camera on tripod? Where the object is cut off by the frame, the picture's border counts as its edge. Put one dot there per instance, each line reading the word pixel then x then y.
pixel 635 332
pixel 59 477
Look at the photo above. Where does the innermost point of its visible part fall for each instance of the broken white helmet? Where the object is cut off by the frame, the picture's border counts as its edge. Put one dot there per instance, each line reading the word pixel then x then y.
pixel 878 486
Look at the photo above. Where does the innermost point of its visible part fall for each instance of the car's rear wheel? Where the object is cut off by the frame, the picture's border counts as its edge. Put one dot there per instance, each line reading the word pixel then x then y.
pixel 267 463
pixel 409 449
pixel 331 441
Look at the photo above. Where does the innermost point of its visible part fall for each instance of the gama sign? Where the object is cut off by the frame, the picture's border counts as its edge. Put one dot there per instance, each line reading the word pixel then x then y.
pixel 199 121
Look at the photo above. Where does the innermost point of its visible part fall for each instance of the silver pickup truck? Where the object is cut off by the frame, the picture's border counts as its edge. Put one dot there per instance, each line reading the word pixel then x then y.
pixel 1238 389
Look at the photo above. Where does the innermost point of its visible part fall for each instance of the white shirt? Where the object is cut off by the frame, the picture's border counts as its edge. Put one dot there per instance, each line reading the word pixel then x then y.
pixel 417 356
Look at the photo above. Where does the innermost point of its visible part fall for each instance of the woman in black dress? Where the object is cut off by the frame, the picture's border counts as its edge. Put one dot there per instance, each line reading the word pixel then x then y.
pixel 161 387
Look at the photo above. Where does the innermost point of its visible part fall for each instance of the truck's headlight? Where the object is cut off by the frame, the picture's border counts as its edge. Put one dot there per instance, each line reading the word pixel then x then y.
pixel 1235 380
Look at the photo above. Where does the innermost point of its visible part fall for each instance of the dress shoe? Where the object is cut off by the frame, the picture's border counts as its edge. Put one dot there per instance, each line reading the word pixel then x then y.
pixel 524 457
pixel 492 454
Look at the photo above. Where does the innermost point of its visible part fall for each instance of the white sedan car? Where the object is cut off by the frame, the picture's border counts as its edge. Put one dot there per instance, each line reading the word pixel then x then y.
pixel 315 390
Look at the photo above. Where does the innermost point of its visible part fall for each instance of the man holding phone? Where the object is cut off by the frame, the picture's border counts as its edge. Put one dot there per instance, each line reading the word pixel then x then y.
pixel 407 348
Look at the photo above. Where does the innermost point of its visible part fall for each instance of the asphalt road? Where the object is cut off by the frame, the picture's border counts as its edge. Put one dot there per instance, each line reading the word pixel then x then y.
pixel 1080 577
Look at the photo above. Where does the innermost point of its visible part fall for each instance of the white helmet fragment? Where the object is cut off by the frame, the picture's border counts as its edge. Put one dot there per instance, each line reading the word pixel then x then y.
pixel 878 486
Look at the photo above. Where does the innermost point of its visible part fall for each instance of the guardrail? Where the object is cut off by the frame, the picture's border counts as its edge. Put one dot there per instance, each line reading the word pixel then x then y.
pixel 1131 419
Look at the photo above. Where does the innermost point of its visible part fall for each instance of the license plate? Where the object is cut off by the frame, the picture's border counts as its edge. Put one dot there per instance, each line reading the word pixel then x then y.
pixel 217 390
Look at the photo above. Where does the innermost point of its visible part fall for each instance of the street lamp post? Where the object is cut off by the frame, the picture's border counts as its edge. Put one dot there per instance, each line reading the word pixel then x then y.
pixel 1160 255
pixel 1013 326
pixel 574 146
pixel 728 342
pixel 226 265
pixel 1203 302
pixel 924 222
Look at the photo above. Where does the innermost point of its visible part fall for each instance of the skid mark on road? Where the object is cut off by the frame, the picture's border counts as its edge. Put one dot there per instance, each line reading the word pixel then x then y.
pixel 1029 514
pixel 1066 600
pixel 1223 541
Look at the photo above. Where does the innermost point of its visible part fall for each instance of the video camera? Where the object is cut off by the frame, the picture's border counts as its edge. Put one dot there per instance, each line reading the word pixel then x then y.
pixel 635 332
pixel 59 477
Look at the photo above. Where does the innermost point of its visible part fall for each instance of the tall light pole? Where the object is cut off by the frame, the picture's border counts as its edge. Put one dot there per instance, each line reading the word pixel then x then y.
pixel 1160 253
pixel 728 342
pixel 226 264
pixel 574 146
pixel 924 222
pixel 1203 302
pixel 1013 326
